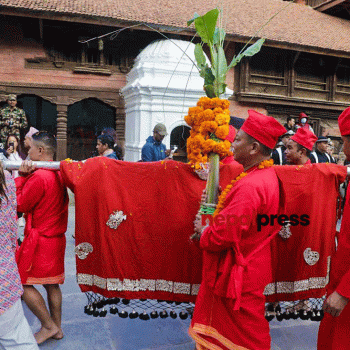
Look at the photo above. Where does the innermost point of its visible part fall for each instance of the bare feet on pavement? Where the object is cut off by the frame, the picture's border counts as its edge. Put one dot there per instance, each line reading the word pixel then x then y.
pixel 46 333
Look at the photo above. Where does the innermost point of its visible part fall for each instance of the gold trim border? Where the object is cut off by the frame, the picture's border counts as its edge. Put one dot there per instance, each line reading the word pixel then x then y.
pixel 299 286
pixel 115 284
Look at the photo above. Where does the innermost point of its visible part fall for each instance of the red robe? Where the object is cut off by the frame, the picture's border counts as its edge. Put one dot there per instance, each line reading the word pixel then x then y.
pixel 334 332
pixel 229 160
pixel 43 197
pixel 229 311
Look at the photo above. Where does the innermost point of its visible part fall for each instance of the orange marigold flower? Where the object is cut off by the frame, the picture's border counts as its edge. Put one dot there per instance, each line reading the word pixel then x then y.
pixel 206 102
pixel 222 131
pixel 222 119
pixel 225 104
pixel 216 101
pixel 189 120
pixel 208 115
pixel 208 146
pixel 198 118
pixel 198 141
pixel 194 110
pixel 195 129
pixel 227 144
pixel 218 110
pixel 203 101
pixel 192 133
pixel 208 127
pixel 227 111
pixel 222 148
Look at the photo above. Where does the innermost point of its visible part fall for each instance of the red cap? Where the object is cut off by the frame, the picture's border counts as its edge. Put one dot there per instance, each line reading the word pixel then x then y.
pixel 231 134
pixel 305 138
pixel 263 128
pixel 344 122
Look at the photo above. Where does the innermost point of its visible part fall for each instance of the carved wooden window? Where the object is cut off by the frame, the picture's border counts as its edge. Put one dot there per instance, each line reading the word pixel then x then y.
pixel 311 72
pixel 343 77
pixel 267 67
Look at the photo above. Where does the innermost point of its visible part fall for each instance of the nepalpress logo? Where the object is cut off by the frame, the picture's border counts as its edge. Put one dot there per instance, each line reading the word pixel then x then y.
pixel 262 220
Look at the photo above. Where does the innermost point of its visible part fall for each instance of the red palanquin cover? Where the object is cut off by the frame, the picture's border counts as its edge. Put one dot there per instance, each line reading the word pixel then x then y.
pixel 150 256
pixel 301 263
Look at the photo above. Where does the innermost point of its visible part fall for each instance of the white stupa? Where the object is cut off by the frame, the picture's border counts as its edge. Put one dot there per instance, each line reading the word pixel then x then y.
pixel 161 86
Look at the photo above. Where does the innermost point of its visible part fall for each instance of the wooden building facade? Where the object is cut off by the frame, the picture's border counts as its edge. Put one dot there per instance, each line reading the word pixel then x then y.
pixel 71 85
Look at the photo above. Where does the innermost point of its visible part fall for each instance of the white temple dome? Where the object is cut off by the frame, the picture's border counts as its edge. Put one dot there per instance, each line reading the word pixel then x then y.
pixel 174 51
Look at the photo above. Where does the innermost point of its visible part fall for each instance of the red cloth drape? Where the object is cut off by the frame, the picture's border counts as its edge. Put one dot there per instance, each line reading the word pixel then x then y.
pixel 150 254
pixel 308 190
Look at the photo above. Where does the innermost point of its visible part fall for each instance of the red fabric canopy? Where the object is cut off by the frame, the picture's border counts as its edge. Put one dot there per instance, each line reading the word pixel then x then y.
pixel 149 255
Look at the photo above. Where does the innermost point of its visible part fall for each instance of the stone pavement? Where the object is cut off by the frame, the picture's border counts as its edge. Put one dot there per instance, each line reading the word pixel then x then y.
pixel 83 332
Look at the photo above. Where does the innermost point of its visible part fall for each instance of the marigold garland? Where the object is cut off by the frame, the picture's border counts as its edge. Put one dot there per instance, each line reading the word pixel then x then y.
pixel 209 122
pixel 222 131
pixel 221 201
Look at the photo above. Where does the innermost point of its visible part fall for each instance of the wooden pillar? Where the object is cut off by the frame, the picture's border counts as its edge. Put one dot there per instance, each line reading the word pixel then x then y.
pixel 61 131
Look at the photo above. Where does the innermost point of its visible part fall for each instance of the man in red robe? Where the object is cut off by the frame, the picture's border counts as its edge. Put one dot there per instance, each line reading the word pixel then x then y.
pixel 334 331
pixel 43 197
pixel 299 147
pixel 230 307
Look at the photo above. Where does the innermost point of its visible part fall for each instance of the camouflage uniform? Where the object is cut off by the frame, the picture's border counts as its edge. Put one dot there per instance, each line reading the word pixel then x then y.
pixel 12 122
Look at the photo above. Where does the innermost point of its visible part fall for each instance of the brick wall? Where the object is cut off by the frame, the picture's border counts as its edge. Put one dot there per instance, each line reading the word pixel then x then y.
pixel 15 49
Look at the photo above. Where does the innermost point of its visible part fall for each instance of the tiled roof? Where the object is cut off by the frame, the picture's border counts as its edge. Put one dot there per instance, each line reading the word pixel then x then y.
pixel 296 24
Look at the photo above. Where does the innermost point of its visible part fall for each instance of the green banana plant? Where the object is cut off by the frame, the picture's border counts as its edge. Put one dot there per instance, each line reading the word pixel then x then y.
pixel 215 75
pixel 214 83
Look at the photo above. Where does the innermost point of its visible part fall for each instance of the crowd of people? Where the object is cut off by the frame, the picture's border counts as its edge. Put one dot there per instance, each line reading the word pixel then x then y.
pixel 299 145
pixel 229 311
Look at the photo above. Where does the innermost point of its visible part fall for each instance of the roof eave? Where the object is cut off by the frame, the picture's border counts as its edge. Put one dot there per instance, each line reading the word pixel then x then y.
pixel 113 22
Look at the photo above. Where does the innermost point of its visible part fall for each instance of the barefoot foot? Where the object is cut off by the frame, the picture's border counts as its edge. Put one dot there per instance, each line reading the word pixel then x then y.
pixel 59 335
pixel 45 333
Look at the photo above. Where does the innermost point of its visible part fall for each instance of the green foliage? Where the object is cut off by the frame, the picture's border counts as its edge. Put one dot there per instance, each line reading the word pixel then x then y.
pixel 219 36
pixel 213 36
pixel 219 70
pixel 200 57
pixel 205 26
pixel 250 51
pixel 196 15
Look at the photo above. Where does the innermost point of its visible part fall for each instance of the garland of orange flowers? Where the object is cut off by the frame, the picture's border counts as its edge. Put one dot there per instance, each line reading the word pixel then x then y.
pixel 209 122
pixel 264 164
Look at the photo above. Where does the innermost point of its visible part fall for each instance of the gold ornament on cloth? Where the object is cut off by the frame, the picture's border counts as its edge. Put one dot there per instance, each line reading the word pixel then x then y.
pixel 311 257
pixel 285 231
pixel 115 219
pixel 82 250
